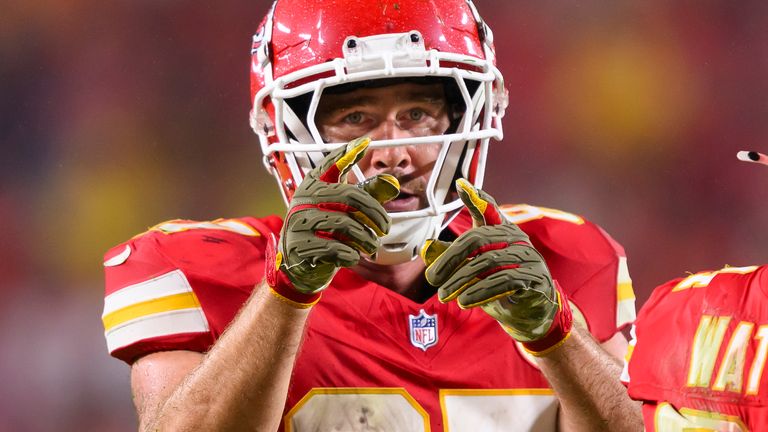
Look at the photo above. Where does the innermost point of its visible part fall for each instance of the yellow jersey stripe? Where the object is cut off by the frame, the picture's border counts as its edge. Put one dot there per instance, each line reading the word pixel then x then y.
pixel 625 295
pixel 628 354
pixel 185 300
pixel 156 325
pixel 173 282
pixel 625 291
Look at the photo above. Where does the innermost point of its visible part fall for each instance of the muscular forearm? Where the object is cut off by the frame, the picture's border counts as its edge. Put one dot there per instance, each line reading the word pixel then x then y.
pixel 241 384
pixel 586 381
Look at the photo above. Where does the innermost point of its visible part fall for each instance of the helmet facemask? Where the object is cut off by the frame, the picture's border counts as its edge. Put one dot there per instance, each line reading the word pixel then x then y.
pixel 293 145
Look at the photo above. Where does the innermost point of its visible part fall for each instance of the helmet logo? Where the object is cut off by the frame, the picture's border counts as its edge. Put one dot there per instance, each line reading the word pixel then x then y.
pixel 257 38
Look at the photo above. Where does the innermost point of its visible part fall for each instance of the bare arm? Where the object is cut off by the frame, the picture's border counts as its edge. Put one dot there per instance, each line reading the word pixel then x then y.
pixel 585 377
pixel 241 384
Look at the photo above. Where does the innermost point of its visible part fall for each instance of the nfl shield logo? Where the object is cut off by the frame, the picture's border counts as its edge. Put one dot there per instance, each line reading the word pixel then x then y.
pixel 423 330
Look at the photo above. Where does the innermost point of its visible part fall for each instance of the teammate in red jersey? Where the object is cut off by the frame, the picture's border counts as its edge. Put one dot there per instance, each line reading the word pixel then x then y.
pixel 375 117
pixel 697 359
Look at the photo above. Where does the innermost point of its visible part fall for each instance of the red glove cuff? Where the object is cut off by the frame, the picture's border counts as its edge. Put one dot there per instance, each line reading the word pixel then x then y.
pixel 559 331
pixel 279 283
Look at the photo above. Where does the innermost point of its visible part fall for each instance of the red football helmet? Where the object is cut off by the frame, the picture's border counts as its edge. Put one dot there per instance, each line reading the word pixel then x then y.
pixel 303 47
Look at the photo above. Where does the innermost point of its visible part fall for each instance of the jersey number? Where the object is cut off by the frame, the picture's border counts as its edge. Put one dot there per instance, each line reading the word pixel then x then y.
pixel 394 409
pixel 522 213
pixel 667 419
pixel 702 279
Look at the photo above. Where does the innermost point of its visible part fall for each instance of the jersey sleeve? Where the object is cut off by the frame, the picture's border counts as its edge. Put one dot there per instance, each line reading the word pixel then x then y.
pixel 654 310
pixel 590 266
pixel 179 285
pixel 651 312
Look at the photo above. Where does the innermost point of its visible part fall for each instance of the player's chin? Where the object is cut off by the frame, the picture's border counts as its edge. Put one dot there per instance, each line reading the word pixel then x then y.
pixel 403 203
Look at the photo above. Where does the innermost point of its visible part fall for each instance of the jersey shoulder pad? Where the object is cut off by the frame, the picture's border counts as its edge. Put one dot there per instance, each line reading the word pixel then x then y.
pixel 728 283
pixel 589 264
pixel 556 228
pixel 177 285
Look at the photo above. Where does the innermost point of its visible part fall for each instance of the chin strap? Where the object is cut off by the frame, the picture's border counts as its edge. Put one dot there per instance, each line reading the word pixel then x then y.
pixel 406 238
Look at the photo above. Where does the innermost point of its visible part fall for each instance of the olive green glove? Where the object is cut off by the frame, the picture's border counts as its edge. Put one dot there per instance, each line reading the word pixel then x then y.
pixel 494 266
pixel 328 225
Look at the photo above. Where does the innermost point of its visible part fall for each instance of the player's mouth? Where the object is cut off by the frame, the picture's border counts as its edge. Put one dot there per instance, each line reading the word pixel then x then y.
pixel 404 202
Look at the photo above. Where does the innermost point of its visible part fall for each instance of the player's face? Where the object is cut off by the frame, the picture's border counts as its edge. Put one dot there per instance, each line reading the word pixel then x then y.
pixel 397 111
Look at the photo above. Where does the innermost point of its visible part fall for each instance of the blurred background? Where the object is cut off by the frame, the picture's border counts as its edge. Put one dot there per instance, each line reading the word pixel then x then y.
pixel 117 115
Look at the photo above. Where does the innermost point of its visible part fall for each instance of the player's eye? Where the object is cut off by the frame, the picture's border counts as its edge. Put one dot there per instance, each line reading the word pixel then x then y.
pixel 416 114
pixel 354 118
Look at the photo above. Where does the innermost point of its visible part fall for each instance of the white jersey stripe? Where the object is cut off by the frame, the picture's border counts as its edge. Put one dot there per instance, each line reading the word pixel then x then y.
pixel 625 304
pixel 161 324
pixel 623 276
pixel 233 225
pixel 625 378
pixel 168 284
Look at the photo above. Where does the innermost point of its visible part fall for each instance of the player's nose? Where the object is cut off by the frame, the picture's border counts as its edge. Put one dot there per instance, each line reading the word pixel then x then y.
pixel 389 158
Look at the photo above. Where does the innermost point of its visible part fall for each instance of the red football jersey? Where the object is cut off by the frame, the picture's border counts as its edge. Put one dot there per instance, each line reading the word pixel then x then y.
pixel 699 350
pixel 370 358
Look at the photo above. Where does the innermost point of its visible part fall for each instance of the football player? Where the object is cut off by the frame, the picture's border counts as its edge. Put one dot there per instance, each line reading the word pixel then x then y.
pixel 375 117
pixel 697 358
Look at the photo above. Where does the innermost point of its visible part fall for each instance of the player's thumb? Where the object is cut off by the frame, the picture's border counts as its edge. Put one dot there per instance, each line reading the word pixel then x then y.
pixel 435 273
pixel 382 187
pixel 482 207
pixel 432 250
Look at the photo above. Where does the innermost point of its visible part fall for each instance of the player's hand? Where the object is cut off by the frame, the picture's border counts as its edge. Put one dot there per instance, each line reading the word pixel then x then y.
pixel 494 266
pixel 328 225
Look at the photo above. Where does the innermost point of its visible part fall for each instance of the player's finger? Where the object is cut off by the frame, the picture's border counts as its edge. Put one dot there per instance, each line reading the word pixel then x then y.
pixel 316 252
pixel 349 199
pixel 367 210
pixel 334 167
pixel 382 187
pixel 340 227
pixel 517 284
pixel 469 245
pixel 482 267
pixel 481 206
